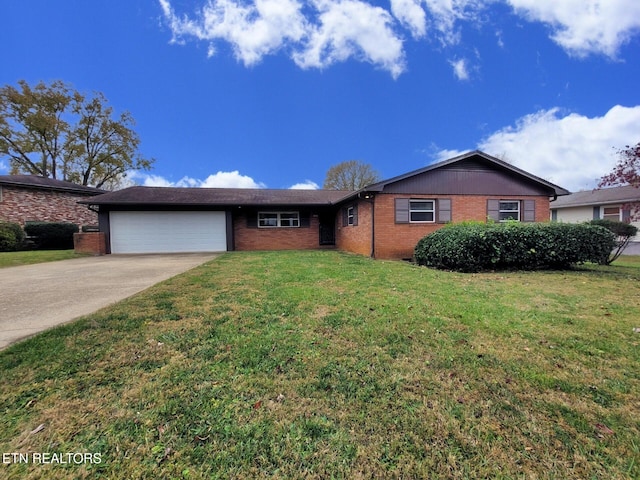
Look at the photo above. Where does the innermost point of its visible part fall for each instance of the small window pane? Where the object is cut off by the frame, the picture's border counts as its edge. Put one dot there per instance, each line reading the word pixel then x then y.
pixel 508 216
pixel 513 206
pixel 289 220
pixel 268 219
pixel 422 216
pixel 421 205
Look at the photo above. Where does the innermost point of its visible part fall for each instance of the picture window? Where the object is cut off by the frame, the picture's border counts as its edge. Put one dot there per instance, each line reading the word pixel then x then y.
pixel 278 219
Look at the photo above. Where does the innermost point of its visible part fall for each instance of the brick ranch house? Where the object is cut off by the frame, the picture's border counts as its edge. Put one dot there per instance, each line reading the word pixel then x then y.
pixel 384 220
pixel 30 198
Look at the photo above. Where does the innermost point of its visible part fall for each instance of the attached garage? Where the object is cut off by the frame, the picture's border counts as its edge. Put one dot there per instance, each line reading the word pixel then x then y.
pixel 167 231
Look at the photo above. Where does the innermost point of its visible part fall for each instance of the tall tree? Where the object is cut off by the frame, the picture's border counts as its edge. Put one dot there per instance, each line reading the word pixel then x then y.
pixel 54 131
pixel 627 170
pixel 350 175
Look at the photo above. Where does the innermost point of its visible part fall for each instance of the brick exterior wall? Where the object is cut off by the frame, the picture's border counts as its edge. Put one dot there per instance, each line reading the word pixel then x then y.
pixel 294 238
pixel 397 240
pixel 355 238
pixel 93 243
pixel 21 205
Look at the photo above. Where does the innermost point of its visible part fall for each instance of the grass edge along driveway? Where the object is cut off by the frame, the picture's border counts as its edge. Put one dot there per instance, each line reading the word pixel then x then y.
pixel 329 365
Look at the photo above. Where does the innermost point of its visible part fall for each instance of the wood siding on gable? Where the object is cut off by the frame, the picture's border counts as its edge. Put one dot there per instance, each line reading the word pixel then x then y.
pixel 453 181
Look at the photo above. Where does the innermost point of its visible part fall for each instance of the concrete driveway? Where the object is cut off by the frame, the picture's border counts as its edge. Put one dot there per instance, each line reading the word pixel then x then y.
pixel 37 297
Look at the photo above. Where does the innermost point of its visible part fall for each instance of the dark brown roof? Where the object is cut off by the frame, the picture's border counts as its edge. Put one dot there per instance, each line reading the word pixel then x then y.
pixel 159 196
pixel 203 197
pixel 477 155
pixel 625 194
pixel 43 183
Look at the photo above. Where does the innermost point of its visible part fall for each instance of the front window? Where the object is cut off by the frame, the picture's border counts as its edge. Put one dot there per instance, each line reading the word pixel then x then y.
pixel 421 211
pixel 278 219
pixel 509 210
pixel 611 213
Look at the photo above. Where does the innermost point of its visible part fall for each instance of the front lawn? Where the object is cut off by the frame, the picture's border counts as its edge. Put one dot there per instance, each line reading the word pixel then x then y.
pixel 330 365
pixel 15 259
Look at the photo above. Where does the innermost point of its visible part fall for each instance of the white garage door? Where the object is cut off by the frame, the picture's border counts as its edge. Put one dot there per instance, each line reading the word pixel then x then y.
pixel 167 232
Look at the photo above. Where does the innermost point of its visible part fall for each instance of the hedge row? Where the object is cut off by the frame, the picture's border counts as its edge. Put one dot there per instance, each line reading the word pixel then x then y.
pixel 52 235
pixel 473 247
pixel 11 236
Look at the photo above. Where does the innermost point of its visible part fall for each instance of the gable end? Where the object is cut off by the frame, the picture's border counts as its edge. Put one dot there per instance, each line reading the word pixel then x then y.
pixel 475 179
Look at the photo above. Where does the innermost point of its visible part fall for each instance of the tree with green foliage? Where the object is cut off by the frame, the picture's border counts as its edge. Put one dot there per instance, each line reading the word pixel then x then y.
pixel 350 175
pixel 54 131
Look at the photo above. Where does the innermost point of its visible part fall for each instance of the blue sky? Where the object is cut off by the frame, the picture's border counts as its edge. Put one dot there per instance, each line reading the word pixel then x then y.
pixel 271 93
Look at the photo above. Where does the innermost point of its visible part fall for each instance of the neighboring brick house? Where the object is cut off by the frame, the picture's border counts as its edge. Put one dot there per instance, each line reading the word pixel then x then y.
pixel 27 198
pixel 383 220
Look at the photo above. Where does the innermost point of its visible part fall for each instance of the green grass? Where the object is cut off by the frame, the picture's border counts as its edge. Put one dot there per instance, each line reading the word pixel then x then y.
pixel 329 365
pixel 15 259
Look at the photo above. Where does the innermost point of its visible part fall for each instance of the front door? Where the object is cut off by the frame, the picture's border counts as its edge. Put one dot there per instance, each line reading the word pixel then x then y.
pixel 327 230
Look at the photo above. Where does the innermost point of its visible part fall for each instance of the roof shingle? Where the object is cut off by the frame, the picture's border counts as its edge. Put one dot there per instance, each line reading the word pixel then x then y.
pixel 35 181
pixel 602 196
pixel 159 196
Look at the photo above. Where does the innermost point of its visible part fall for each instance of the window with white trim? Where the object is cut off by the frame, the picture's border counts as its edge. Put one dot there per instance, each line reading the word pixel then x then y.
pixel 509 210
pixel 421 211
pixel 611 213
pixel 278 219
pixel 350 216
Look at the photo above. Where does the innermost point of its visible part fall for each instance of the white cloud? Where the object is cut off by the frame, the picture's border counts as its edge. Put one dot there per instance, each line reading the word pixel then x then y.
pixel 583 27
pixel 219 180
pixel 460 69
pixel 445 13
pixel 230 180
pixel 306 185
pixel 4 167
pixel 351 28
pixel 320 33
pixel 254 30
pixel 411 15
pixel 570 150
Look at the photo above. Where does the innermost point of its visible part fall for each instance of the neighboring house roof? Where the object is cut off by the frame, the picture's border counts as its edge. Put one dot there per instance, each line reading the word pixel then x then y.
pixel 159 196
pixel 603 196
pixel 473 160
pixel 43 183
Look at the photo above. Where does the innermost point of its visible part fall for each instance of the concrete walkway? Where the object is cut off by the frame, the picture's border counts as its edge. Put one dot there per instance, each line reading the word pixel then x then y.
pixel 34 298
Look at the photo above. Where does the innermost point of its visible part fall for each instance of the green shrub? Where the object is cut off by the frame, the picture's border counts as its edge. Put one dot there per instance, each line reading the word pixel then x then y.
pixel 512 245
pixel 623 231
pixel 11 236
pixel 52 235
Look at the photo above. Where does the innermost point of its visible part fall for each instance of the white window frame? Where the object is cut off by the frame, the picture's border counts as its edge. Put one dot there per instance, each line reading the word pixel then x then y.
pixel 502 210
pixel 609 216
pixel 413 210
pixel 350 215
pixel 280 222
